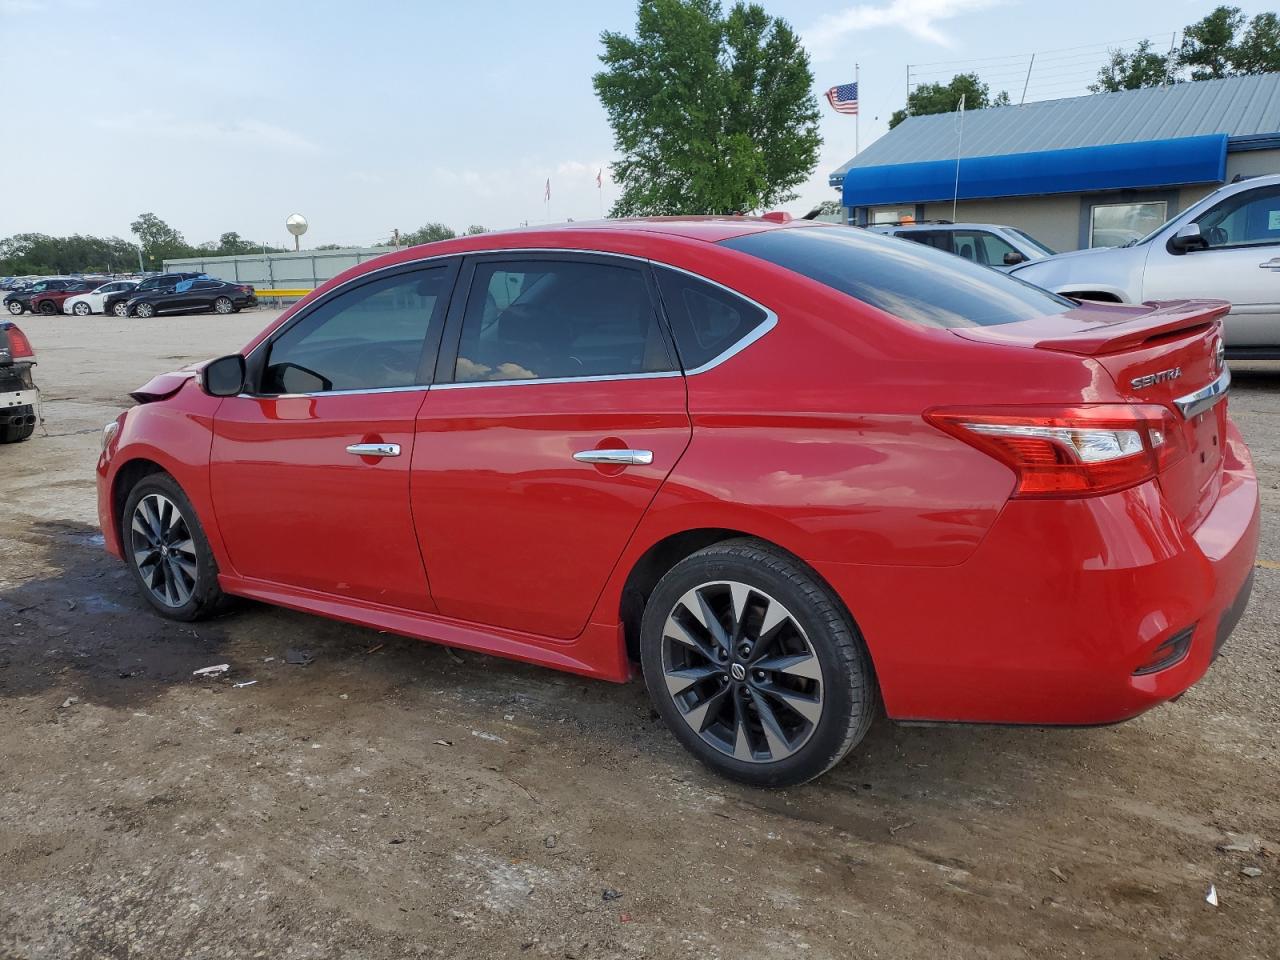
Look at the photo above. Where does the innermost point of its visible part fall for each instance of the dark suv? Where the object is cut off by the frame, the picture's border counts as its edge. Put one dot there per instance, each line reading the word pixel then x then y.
pixel 19 302
pixel 17 390
pixel 115 304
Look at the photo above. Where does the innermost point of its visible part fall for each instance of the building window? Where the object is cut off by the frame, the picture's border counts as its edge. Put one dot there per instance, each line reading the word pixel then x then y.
pixel 1115 224
pixel 893 215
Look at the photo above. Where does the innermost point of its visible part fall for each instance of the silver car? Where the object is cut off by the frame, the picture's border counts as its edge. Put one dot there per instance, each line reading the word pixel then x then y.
pixel 991 244
pixel 1225 247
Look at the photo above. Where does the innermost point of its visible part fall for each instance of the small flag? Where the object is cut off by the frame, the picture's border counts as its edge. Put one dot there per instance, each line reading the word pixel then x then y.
pixel 844 98
pixel 600 179
pixel 547 196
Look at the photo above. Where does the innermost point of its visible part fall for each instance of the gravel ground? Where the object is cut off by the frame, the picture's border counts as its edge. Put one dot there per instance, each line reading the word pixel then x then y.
pixel 394 799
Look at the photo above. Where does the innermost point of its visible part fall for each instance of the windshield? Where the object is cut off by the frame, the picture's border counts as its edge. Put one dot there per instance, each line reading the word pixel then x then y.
pixel 1047 251
pixel 908 280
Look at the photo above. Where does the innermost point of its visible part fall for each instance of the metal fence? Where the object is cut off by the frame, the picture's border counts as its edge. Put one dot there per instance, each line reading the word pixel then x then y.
pixel 305 270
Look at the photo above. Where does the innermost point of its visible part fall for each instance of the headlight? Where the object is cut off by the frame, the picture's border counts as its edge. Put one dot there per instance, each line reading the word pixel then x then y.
pixel 109 433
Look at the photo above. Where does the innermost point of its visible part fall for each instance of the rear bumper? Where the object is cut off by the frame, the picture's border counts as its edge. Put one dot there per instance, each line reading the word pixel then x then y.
pixel 1050 618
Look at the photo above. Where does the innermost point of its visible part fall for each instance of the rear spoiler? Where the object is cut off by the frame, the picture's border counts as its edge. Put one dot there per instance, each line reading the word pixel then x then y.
pixel 1103 327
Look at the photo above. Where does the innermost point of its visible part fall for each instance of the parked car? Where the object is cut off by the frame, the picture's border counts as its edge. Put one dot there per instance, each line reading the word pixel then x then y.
pixel 794 469
pixel 191 296
pixel 49 300
pixel 1227 245
pixel 17 389
pixel 20 301
pixel 116 304
pixel 83 304
pixel 990 244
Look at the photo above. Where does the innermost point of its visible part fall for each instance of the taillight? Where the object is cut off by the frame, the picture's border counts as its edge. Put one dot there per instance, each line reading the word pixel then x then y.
pixel 19 345
pixel 1071 451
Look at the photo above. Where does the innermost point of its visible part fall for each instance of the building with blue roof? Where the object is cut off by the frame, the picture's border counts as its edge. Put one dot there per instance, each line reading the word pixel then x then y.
pixel 1085 171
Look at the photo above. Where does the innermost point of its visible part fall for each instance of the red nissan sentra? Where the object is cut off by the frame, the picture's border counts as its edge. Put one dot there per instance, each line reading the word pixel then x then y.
pixel 792 469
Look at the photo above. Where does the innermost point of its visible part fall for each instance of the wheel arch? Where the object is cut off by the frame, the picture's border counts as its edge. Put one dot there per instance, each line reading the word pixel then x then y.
pixel 126 477
pixel 662 555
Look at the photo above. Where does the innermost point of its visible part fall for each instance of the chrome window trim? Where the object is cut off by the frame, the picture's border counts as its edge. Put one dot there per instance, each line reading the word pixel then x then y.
pixel 769 322
pixel 1194 404
pixel 531 381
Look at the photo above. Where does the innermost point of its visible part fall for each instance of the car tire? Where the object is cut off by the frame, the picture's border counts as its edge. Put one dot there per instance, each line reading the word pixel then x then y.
pixel 144 310
pixel 120 309
pixel 223 305
pixel 795 692
pixel 167 551
pixel 11 433
pixel 47 308
pixel 16 308
pixel 81 309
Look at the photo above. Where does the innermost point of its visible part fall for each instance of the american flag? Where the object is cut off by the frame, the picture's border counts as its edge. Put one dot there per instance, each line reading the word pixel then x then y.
pixel 844 98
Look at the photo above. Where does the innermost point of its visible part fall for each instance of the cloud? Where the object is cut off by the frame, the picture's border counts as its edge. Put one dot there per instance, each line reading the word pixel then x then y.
pixel 920 18
pixel 241 133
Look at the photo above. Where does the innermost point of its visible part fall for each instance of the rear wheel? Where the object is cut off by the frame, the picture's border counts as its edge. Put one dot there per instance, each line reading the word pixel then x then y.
pixel 167 550
pixel 223 305
pixel 81 309
pixel 754 666
pixel 144 310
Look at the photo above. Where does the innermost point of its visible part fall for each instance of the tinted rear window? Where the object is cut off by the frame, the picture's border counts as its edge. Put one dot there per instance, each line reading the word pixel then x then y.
pixel 908 280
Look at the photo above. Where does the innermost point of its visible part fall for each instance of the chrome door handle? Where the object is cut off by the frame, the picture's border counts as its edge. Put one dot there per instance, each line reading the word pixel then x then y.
pixel 1272 264
pixel 374 449
pixel 618 457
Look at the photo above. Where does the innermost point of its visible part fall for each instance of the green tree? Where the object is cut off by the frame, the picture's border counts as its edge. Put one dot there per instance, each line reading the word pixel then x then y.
pixel 1258 51
pixel 1208 46
pixel 159 241
pixel 428 233
pixel 710 113
pixel 945 98
pixel 1144 66
pixel 27 253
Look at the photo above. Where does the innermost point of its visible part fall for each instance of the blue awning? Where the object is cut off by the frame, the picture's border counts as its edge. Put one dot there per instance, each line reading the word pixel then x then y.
pixel 1115 166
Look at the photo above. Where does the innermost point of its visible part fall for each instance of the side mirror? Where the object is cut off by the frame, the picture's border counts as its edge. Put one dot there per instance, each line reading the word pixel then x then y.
pixel 223 377
pixel 1187 238
pixel 1013 257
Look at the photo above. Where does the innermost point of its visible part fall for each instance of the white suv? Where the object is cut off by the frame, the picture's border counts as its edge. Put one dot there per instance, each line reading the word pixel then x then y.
pixel 1225 247
pixel 991 244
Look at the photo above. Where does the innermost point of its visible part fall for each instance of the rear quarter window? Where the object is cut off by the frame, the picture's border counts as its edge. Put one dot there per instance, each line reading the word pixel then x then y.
pixel 908 280
pixel 707 320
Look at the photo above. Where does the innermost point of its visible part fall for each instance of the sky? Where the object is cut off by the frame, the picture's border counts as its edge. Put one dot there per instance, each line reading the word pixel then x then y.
pixel 382 114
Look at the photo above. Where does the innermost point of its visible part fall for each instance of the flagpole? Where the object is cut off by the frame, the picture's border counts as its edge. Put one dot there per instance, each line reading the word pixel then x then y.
pixel 955 197
pixel 857 116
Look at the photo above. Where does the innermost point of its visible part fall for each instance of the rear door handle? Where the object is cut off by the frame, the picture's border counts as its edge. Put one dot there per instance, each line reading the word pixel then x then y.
pixel 624 457
pixel 1272 264
pixel 374 449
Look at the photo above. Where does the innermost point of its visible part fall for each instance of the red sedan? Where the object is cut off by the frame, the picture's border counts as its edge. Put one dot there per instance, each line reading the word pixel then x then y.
pixel 794 470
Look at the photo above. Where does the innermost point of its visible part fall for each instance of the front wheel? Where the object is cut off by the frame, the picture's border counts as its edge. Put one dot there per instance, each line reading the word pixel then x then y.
pixel 81 309
pixel 120 309
pixel 754 666
pixel 47 308
pixel 15 308
pixel 167 551
pixel 144 310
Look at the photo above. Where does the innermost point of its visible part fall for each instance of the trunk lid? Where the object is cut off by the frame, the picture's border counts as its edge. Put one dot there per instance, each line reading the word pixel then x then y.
pixel 1156 353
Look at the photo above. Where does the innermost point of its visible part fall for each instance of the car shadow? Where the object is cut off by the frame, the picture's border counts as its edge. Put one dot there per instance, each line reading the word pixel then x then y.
pixel 81 626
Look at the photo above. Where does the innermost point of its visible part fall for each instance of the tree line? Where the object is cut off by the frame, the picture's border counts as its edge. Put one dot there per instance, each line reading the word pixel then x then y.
pixel 156 241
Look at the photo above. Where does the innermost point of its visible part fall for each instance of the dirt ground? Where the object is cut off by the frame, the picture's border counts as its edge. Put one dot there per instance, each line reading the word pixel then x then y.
pixel 395 799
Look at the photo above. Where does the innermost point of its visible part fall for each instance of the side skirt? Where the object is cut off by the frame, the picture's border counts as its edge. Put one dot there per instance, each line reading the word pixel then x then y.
pixel 511 644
